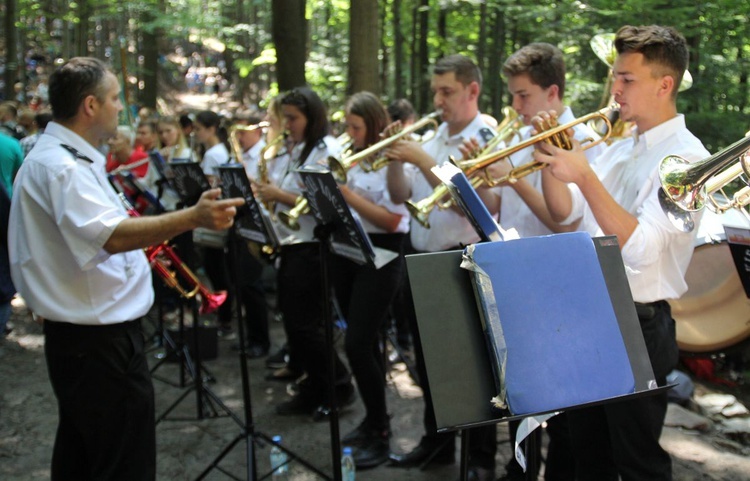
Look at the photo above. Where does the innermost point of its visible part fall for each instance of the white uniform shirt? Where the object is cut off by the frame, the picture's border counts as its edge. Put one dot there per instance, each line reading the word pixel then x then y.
pixel 285 176
pixel 63 212
pixel 448 228
pixel 657 254
pixel 373 186
pixel 514 213
pixel 250 159
pixel 213 158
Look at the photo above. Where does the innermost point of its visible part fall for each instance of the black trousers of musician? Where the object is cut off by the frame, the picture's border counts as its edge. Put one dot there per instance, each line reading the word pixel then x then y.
pixel 253 297
pixel 622 439
pixel 105 399
pixel 365 295
pixel 215 264
pixel 300 302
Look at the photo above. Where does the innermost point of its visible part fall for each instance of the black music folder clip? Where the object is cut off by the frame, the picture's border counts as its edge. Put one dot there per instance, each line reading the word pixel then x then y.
pixel 348 238
pixel 252 220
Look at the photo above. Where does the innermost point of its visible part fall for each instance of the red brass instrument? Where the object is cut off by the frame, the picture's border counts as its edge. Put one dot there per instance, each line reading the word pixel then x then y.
pixel 161 256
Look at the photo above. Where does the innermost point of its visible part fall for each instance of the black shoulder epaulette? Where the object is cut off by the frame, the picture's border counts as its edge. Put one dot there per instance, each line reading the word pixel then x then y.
pixel 486 133
pixel 75 153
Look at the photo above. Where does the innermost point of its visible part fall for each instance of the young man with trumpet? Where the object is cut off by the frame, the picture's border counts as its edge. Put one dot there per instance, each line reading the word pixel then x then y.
pixel 456 85
pixel 76 258
pixel 618 196
pixel 536 80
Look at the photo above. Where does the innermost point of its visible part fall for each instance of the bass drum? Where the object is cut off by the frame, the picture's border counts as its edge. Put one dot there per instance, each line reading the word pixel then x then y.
pixel 715 312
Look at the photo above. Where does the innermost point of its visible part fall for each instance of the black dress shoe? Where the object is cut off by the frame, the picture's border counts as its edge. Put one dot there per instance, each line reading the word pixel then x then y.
pixel 371 452
pixel 442 452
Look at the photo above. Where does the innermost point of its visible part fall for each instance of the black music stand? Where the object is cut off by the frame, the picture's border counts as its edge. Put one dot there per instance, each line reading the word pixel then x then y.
pixel 190 182
pixel 462 321
pixel 459 366
pixel 339 233
pixel 251 223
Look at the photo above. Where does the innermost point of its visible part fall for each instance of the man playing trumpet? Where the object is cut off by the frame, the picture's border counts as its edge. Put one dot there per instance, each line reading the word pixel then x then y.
pixel 456 85
pixel 619 196
pixel 536 81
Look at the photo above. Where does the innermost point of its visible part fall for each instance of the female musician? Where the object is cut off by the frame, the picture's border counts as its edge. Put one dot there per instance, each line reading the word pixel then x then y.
pixel 213 137
pixel 364 292
pixel 298 279
pixel 174 144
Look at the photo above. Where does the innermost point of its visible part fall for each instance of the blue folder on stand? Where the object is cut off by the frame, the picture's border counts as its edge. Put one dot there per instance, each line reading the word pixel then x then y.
pixel 551 327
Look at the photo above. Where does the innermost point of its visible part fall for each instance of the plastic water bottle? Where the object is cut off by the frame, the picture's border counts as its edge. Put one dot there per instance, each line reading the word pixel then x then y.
pixel 279 461
pixel 348 469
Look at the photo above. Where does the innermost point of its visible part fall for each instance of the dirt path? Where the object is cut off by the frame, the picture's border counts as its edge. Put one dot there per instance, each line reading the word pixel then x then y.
pixel 28 418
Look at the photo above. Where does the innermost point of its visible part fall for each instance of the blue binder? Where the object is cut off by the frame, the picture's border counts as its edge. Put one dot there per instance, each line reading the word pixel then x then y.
pixel 547 313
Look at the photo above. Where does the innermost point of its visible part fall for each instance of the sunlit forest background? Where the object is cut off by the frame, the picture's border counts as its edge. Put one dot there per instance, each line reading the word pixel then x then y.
pixel 253 49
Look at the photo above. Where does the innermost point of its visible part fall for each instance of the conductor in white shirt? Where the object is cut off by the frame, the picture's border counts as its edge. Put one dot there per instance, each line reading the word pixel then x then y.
pixel 76 258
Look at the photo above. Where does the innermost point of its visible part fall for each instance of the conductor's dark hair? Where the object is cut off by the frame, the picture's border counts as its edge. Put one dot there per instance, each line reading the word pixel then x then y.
pixel 314 110
pixel 72 82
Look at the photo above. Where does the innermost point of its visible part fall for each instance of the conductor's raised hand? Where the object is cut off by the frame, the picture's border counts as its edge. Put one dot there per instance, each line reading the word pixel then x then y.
pixel 214 213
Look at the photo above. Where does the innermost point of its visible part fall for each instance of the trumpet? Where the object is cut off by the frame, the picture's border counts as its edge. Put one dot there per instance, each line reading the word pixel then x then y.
pixel 210 301
pixel 291 217
pixel 688 187
pixel 339 167
pixel 475 168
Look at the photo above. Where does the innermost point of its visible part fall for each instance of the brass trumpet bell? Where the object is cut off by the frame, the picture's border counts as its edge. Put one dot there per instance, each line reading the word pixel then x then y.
pixel 688 187
pixel 291 217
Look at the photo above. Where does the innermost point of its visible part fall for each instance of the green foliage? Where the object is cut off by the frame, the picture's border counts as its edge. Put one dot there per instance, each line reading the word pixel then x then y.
pixel 718 32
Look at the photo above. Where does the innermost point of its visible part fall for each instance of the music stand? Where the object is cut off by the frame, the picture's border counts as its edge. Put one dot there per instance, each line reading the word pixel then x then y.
pixel 339 232
pixel 251 223
pixel 463 373
pixel 190 182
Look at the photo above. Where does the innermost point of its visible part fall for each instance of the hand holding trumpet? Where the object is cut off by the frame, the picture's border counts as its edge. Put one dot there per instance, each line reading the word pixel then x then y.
pixel 565 160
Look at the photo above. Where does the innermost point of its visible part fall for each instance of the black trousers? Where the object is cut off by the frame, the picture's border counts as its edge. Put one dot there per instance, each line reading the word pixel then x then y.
pixel 105 398
pixel 252 296
pixel 621 440
pixel 215 262
pixel 301 304
pixel 365 295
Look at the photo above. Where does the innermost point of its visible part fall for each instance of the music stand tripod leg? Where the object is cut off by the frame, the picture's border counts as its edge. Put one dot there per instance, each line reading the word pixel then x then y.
pixel 248 433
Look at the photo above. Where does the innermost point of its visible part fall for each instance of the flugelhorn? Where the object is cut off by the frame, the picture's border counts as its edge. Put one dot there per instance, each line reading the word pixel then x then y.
pixel 688 187
pixel 210 301
pixel 475 168
pixel 339 167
